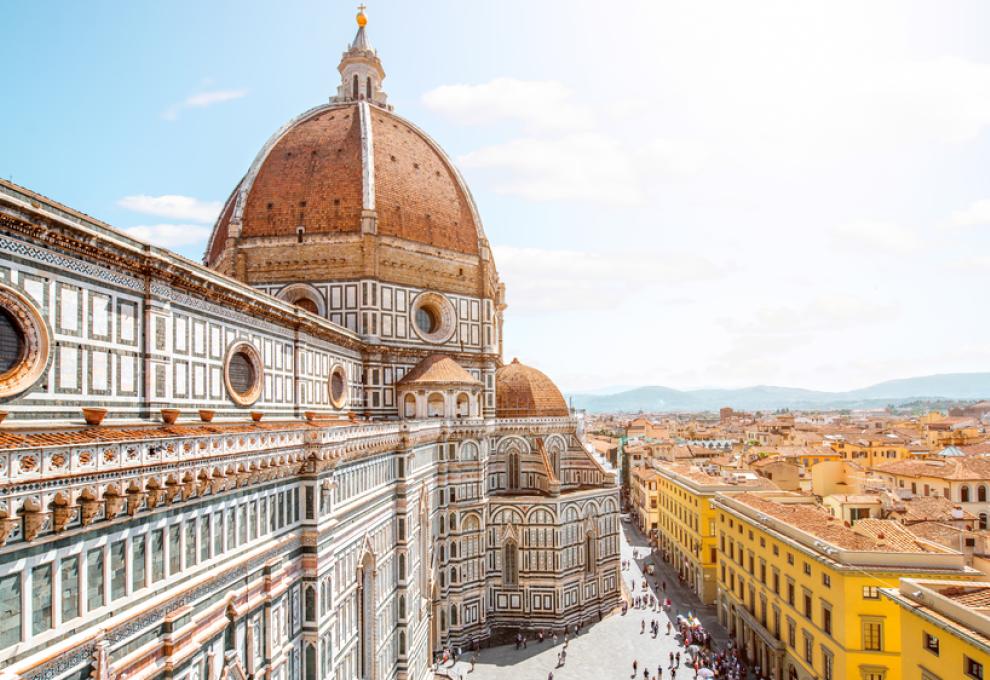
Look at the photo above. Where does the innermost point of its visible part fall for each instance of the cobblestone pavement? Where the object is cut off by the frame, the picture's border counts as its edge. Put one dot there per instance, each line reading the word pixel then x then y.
pixel 604 650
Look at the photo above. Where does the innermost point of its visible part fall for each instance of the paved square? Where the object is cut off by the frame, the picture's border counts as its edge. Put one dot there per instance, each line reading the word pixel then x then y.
pixel 606 649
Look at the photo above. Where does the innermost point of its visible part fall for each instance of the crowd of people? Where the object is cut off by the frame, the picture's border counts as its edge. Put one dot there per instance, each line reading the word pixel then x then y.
pixel 697 654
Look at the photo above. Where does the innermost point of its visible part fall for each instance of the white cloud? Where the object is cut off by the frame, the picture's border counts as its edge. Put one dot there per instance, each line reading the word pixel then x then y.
pixel 673 156
pixel 173 206
pixel 565 280
pixel 202 100
pixel 873 237
pixel 826 312
pixel 538 105
pixel 581 166
pixel 978 213
pixel 171 236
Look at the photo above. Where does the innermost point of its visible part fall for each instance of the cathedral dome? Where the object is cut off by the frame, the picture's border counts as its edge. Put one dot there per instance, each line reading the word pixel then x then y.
pixel 524 392
pixel 337 165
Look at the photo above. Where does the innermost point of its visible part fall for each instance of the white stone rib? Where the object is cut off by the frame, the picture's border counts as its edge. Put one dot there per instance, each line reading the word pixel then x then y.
pixel 367 158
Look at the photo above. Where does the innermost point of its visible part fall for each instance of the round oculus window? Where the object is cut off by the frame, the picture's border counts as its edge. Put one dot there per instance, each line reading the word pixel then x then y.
pixel 24 343
pixel 243 373
pixel 426 320
pixel 433 317
pixel 337 386
pixel 11 342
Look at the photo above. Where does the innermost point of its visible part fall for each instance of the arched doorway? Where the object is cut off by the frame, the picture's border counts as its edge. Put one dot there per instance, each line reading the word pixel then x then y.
pixel 409 406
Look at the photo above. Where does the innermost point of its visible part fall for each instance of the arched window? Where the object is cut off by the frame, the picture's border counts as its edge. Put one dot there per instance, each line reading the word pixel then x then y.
pixel 368 87
pixel 402 567
pixel 402 606
pixel 453 576
pixel 965 494
pixel 512 471
pixel 981 494
pixel 434 406
pixel 463 406
pixel 366 614
pixel 453 614
pixel 453 549
pixel 510 564
pixel 589 553
pixel 453 521
pixel 355 87
pixel 402 643
pixel 983 521
pixel 409 406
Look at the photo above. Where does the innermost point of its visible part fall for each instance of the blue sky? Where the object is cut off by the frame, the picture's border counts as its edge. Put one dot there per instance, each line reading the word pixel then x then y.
pixel 680 193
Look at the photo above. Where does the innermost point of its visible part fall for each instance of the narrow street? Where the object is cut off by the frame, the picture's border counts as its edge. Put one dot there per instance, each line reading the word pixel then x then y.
pixel 606 649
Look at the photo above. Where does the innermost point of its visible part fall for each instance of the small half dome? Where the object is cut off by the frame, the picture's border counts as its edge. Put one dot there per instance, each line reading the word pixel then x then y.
pixel 438 370
pixel 523 392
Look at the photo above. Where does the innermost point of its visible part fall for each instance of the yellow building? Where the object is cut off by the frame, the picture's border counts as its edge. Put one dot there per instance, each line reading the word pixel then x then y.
pixel 945 629
pixel 687 531
pixel 800 591
pixel 645 500
pixel 874 449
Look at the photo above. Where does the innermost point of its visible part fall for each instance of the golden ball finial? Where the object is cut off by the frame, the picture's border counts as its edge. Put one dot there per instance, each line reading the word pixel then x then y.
pixel 362 19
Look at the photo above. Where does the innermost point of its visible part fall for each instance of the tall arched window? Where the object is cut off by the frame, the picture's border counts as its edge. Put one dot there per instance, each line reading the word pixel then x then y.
pixel 965 494
pixel 981 494
pixel 453 614
pixel 510 564
pixel 366 616
pixel 512 472
pixel 368 88
pixel 355 87
pixel 589 553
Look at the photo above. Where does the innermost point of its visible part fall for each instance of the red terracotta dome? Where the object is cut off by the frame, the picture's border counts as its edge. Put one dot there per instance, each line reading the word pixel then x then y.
pixel 341 163
pixel 524 392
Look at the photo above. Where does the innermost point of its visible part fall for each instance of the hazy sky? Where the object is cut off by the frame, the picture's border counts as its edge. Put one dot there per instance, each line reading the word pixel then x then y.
pixel 681 193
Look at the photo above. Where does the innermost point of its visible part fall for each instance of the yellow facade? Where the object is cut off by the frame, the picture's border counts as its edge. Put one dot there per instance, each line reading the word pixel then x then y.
pixel 644 499
pixel 942 635
pixel 871 452
pixel 802 608
pixel 687 533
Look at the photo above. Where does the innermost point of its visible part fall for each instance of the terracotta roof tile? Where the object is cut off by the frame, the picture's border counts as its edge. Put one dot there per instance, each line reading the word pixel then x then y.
pixel 438 369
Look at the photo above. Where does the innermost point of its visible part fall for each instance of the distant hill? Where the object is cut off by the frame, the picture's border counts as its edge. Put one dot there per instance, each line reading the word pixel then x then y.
pixel 964 386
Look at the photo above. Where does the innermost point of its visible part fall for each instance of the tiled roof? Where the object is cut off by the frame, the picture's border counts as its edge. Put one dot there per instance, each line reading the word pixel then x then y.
pixel 965 468
pixel 313 177
pixel 524 392
pixel 920 508
pixel 438 369
pixel 817 522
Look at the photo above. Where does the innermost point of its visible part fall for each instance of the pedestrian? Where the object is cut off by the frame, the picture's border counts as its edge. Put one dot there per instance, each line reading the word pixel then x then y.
pixel 677 656
pixel 642 626
pixel 635 667
pixel 671 659
pixel 550 676
pixel 525 640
